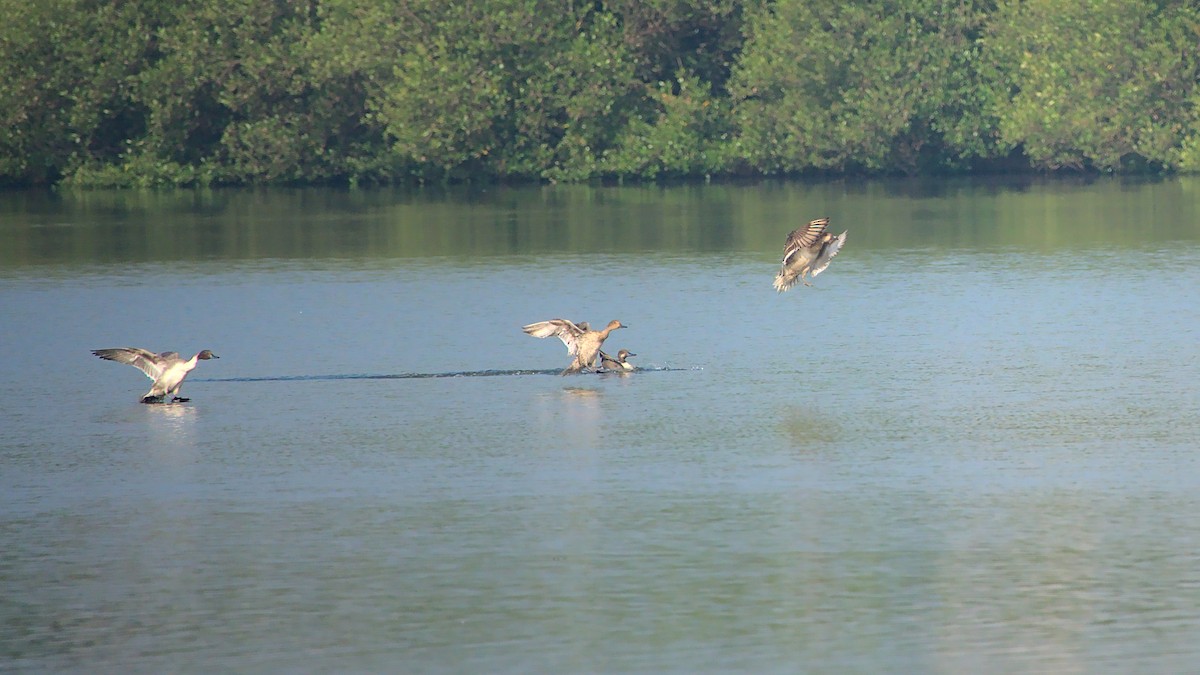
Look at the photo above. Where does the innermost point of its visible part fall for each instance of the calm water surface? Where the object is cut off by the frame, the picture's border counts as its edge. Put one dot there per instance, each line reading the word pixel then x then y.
pixel 971 447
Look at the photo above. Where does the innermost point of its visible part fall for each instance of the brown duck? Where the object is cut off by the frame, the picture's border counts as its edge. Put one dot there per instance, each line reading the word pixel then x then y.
pixel 807 250
pixel 582 344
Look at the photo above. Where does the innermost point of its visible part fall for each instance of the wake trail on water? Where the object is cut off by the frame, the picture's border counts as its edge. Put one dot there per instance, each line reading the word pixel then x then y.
pixel 423 376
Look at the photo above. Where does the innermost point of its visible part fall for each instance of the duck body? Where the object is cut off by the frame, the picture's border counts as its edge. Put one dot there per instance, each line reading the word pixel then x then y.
pixel 582 343
pixel 618 364
pixel 807 250
pixel 167 369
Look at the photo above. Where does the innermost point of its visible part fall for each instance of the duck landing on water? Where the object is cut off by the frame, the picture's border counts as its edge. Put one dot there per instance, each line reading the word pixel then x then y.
pixel 582 344
pixel 617 365
pixel 167 369
pixel 807 250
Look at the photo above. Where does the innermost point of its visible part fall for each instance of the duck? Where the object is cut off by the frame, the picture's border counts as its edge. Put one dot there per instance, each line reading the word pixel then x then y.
pixel 582 343
pixel 618 364
pixel 807 250
pixel 167 369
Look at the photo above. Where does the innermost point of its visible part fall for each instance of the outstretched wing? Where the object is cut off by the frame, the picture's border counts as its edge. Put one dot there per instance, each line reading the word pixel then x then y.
pixel 560 328
pixel 146 361
pixel 803 237
pixel 827 255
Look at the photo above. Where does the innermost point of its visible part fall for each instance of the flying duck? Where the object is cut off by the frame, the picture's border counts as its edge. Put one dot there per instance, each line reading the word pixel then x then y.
pixel 807 250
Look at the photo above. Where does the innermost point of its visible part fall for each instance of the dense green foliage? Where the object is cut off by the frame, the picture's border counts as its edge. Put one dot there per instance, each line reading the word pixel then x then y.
pixel 98 93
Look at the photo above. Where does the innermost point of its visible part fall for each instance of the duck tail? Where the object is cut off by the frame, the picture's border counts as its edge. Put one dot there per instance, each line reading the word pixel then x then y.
pixel 784 280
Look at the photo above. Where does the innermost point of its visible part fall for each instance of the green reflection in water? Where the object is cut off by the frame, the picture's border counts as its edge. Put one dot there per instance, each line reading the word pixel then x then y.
pixel 471 224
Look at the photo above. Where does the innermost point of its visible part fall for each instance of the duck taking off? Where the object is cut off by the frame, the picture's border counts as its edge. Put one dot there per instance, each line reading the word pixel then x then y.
pixel 618 364
pixel 807 250
pixel 168 369
pixel 582 344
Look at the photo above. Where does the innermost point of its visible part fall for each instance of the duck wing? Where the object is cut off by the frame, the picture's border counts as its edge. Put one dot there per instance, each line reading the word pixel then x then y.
pixel 827 255
pixel 562 329
pixel 803 237
pixel 144 360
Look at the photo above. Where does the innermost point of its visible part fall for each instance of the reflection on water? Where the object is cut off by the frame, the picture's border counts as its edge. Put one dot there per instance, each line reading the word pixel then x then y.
pixel 170 428
pixel 174 412
pixel 571 417
pixel 971 448
pixel 581 393
pixel 473 224
pixel 806 427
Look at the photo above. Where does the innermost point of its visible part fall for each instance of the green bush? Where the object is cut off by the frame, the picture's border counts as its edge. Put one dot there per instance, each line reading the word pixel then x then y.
pixel 1098 84
pixel 687 135
pixel 360 92
pixel 872 86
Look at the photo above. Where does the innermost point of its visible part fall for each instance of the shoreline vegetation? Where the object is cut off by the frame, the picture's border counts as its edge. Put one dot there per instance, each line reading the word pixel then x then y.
pixel 97 94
